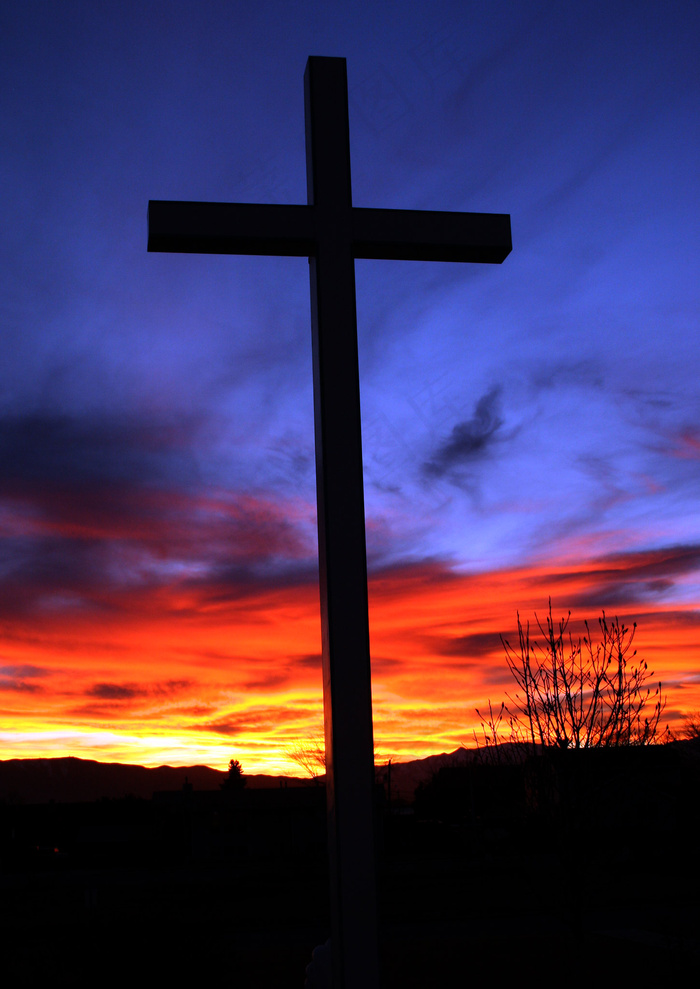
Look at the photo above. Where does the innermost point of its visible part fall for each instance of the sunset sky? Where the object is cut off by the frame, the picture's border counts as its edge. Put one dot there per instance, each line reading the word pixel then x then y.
pixel 530 429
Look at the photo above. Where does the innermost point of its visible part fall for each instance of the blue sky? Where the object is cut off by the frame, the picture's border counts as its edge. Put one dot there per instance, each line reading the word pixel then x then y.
pixel 543 410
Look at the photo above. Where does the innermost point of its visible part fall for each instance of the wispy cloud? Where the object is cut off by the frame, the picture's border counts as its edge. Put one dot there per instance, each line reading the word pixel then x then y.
pixel 259 720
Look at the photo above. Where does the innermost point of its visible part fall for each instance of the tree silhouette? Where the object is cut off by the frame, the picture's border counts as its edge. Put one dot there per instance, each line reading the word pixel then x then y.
pixel 235 780
pixel 576 693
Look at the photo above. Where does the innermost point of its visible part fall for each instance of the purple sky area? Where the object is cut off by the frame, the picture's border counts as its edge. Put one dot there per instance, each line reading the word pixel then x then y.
pixel 536 410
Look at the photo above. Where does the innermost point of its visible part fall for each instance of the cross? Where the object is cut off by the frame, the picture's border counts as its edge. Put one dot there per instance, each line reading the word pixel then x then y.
pixel 331 232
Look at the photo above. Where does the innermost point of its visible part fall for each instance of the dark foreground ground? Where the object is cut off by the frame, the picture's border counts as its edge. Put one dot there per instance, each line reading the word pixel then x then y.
pixel 446 920
pixel 488 879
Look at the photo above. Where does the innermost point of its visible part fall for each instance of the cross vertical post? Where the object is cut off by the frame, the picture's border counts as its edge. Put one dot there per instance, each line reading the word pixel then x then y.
pixel 347 694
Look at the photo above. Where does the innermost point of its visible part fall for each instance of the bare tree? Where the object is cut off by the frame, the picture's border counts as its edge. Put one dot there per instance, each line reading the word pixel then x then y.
pixel 310 755
pixel 575 693
pixel 691 725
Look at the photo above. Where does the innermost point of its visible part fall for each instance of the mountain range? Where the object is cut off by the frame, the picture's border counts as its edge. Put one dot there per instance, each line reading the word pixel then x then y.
pixel 73 780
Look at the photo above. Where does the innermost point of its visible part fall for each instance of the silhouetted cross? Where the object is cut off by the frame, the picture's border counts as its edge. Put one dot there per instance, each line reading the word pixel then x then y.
pixel 331 232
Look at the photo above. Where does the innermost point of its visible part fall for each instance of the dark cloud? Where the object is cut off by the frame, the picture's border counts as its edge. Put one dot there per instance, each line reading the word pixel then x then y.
pixel 19 685
pixel 610 596
pixel 24 671
pixel 115 691
pixel 253 719
pixel 625 579
pixel 276 674
pixel 659 586
pixel 103 711
pixel 269 681
pixel 386 664
pixel 73 490
pixel 271 567
pixel 112 700
pixel 95 507
pixel 65 452
pixel 196 710
pixel 468 440
pixel 36 565
pixel 649 565
pixel 128 691
pixel 14 677
pixel 232 726
pixel 547 375
pixel 476 644
pixel 173 686
pixel 311 661
pixel 380 664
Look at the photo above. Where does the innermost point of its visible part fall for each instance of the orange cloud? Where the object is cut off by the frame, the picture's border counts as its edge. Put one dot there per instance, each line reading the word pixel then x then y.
pixel 199 671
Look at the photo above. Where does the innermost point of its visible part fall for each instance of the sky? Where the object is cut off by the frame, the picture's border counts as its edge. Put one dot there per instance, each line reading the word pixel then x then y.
pixel 531 430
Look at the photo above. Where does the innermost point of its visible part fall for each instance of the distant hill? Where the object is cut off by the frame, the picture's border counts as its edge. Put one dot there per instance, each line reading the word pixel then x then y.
pixel 71 780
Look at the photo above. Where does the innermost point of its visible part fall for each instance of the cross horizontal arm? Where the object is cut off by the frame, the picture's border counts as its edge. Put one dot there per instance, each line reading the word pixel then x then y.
pixel 230 228
pixel 294 231
pixel 427 235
